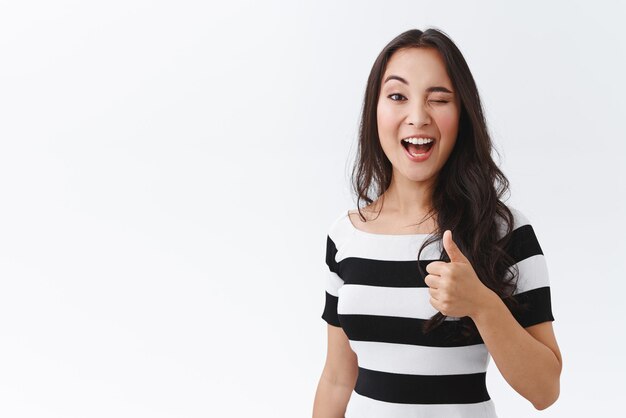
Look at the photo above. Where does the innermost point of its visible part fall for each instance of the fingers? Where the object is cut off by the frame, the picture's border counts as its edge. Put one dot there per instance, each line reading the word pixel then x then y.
pixel 436 267
pixel 454 252
pixel 432 281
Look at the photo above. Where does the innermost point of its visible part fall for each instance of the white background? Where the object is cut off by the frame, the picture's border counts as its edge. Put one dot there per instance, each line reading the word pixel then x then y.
pixel 168 172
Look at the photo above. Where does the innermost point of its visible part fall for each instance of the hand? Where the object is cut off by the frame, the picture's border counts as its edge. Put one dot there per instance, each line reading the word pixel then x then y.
pixel 455 289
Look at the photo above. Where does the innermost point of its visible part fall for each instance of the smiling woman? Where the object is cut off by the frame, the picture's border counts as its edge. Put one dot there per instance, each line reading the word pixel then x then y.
pixel 412 326
pixel 424 91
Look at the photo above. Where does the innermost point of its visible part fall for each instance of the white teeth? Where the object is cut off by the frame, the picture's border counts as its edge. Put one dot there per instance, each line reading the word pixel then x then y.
pixel 417 141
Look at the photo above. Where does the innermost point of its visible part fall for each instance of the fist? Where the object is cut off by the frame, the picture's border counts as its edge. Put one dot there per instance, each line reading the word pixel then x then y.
pixel 455 289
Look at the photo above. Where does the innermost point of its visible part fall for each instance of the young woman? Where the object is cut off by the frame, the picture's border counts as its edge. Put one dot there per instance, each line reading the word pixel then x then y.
pixel 436 275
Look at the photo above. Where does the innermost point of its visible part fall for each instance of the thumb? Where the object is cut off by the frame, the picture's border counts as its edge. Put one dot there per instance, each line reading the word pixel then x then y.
pixel 451 248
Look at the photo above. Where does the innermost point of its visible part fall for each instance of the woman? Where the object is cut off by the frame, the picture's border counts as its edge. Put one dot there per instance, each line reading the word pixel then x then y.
pixel 415 310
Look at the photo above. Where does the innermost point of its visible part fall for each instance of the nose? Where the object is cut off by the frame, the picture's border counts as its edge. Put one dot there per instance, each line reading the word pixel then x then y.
pixel 418 115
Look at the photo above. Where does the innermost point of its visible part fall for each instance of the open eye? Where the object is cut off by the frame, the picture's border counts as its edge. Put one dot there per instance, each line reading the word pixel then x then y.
pixel 395 94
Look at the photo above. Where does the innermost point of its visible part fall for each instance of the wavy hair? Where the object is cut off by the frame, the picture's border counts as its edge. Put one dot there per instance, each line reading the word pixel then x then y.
pixel 468 189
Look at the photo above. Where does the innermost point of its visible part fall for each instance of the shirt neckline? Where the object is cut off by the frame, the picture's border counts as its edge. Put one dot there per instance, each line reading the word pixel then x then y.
pixel 357 230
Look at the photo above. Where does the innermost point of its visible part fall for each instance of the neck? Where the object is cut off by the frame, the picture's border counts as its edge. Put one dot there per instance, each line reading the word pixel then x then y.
pixel 408 198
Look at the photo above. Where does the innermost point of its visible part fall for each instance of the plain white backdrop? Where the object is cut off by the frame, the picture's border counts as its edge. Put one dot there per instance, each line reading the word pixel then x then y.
pixel 168 172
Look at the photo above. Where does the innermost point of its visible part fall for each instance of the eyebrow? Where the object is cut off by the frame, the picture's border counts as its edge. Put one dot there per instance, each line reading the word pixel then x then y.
pixel 428 90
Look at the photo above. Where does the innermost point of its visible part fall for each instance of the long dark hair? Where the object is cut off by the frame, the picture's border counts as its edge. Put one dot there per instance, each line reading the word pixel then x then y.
pixel 469 187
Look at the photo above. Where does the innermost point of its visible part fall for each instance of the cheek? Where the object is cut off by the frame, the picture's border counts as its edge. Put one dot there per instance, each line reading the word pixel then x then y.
pixel 448 122
pixel 386 125
pixel 384 116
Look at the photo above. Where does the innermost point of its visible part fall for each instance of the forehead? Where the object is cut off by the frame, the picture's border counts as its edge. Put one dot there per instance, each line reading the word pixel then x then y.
pixel 419 66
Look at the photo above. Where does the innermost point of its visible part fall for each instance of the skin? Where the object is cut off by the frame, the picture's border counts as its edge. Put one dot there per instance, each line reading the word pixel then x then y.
pixel 404 110
pixel 528 358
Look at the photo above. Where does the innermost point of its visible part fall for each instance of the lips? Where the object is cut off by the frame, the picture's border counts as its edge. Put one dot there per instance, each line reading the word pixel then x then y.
pixel 424 155
pixel 417 149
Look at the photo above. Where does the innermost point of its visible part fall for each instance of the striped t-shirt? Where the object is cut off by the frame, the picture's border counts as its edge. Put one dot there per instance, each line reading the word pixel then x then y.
pixel 375 292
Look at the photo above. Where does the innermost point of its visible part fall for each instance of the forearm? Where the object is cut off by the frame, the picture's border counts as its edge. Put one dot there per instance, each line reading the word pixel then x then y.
pixel 530 367
pixel 331 399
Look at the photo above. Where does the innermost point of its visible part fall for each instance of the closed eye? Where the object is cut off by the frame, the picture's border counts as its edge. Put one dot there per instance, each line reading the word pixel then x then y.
pixel 398 100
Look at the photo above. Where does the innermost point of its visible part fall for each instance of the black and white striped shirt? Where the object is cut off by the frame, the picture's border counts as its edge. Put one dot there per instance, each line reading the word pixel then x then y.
pixel 374 291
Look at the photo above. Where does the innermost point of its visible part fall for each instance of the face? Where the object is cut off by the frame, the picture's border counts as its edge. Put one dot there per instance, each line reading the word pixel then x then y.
pixel 415 109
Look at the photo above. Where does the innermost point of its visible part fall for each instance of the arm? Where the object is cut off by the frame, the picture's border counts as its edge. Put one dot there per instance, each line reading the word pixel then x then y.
pixel 338 377
pixel 528 358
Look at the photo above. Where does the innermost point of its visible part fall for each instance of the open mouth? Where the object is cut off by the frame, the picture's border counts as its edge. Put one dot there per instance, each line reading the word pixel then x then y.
pixel 415 149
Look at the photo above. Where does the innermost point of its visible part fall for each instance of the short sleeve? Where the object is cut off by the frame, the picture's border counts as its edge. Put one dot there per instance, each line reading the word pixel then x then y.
pixel 332 284
pixel 533 284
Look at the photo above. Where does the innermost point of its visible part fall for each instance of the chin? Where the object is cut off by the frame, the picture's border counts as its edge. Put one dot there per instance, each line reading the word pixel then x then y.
pixel 418 177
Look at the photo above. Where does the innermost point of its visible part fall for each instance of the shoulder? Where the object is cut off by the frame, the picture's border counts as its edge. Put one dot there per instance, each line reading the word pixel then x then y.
pixel 527 253
pixel 339 229
pixel 353 218
pixel 337 234
pixel 521 222
pixel 530 268
pixel 522 243
pixel 519 217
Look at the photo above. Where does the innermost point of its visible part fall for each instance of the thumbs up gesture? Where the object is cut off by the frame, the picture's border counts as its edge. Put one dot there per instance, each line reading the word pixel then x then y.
pixel 455 289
